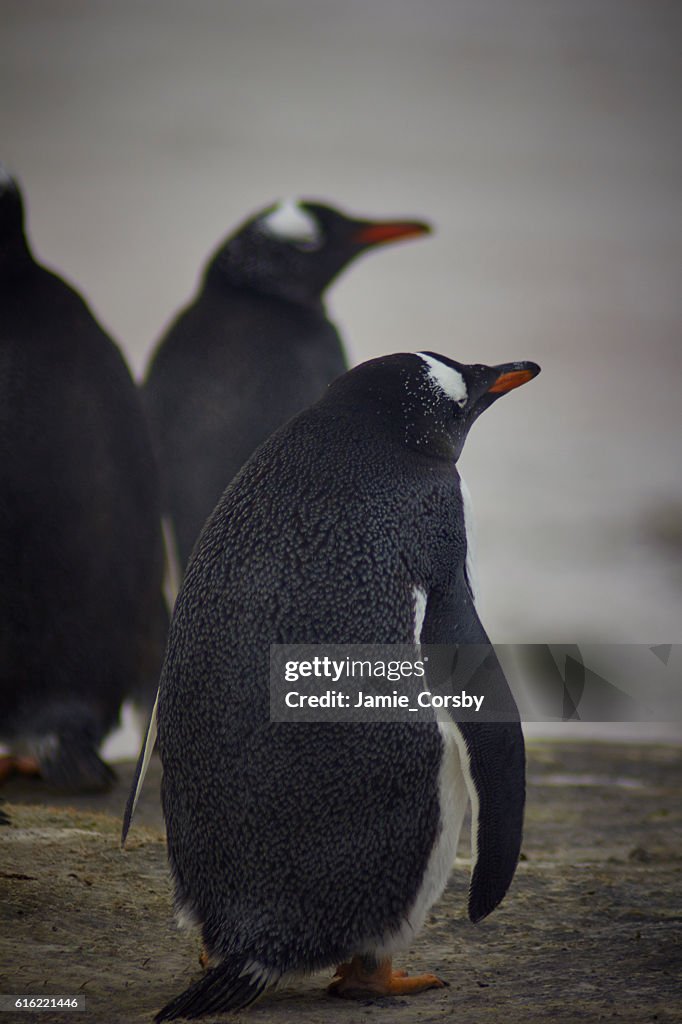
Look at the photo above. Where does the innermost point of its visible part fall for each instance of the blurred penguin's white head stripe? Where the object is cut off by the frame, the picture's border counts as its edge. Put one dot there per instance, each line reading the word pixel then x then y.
pixel 445 379
pixel 6 179
pixel 290 222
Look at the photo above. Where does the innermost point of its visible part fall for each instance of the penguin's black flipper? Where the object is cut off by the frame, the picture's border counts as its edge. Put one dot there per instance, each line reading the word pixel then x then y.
pixel 4 818
pixel 72 764
pixel 229 986
pixel 492 752
pixel 497 769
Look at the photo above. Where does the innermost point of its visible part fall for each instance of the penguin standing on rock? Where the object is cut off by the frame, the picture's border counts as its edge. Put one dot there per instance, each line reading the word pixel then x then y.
pixel 81 611
pixel 296 847
pixel 252 350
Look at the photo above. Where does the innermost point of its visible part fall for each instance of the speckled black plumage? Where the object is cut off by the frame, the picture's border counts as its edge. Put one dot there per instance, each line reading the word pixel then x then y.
pixel 252 349
pixel 296 845
pixel 81 615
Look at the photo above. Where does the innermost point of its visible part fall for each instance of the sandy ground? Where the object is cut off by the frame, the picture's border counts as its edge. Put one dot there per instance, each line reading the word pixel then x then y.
pixel 590 931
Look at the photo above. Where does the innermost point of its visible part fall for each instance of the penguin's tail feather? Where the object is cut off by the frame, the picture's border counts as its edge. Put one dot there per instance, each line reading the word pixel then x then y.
pixel 233 984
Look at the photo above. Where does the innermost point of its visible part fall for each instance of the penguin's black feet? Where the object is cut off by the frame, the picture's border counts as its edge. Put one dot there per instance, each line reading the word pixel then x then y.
pixel 72 765
pixel 365 977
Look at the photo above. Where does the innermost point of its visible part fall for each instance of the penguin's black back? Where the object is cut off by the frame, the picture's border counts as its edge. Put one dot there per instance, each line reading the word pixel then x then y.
pixel 294 843
pixel 80 554
pixel 232 368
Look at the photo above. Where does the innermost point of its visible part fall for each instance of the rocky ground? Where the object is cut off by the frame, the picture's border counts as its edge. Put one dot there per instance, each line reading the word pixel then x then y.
pixel 590 931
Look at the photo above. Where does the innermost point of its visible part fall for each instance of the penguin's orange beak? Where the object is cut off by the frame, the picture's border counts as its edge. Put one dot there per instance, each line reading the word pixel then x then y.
pixel 389 231
pixel 512 379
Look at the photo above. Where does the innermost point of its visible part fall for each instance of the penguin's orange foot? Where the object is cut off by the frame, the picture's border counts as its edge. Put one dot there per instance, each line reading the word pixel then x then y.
pixel 29 766
pixel 6 767
pixel 364 977
pixel 17 765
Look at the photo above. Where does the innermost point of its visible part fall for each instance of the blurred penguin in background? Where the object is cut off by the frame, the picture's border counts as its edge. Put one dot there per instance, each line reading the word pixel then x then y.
pixel 253 349
pixel 82 621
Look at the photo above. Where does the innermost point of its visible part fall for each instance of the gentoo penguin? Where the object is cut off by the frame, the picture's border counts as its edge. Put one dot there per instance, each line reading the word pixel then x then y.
pixel 252 349
pixel 298 846
pixel 81 612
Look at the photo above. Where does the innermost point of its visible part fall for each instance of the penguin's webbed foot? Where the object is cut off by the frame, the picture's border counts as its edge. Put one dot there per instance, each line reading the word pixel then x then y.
pixel 365 977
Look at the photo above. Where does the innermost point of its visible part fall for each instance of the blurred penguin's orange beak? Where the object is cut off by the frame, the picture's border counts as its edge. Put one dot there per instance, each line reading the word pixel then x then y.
pixel 389 231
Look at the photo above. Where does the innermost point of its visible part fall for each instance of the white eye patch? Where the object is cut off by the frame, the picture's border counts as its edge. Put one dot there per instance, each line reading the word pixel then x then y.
pixel 445 379
pixel 290 222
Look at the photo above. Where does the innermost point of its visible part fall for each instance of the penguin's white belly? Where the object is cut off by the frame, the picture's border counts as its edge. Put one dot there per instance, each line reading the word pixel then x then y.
pixel 453 798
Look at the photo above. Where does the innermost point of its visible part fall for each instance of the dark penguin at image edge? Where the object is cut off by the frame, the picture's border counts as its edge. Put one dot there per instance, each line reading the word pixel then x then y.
pixel 252 349
pixel 81 612
pixel 299 846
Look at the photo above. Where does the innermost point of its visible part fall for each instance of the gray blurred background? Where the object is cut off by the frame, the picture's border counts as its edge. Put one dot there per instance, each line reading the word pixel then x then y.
pixel 541 138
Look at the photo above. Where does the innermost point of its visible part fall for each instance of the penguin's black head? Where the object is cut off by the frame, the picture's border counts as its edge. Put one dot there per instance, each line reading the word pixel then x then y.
pixel 426 401
pixel 294 249
pixel 12 239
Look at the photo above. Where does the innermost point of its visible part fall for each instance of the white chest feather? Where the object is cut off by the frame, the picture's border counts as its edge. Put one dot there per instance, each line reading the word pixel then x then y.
pixel 470 534
pixel 453 798
pixel 453 795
